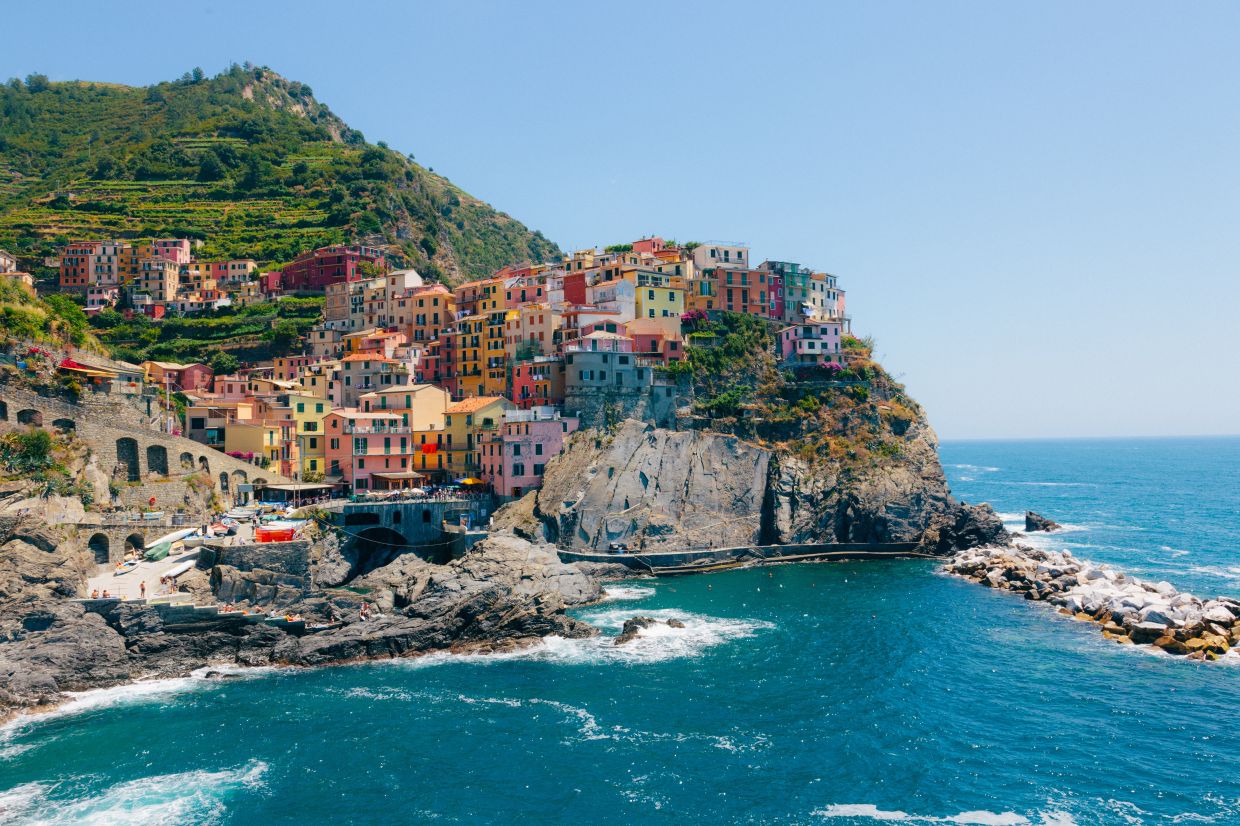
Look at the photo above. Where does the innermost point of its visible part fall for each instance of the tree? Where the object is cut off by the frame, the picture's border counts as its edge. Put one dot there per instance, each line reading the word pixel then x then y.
pixel 107 319
pixel 37 83
pixel 224 363
pixel 210 168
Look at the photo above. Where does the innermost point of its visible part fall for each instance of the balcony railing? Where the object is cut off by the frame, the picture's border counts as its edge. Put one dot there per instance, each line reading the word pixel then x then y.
pixel 372 429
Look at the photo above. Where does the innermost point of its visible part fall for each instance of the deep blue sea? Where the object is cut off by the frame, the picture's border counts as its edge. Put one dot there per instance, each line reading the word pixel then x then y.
pixel 817 693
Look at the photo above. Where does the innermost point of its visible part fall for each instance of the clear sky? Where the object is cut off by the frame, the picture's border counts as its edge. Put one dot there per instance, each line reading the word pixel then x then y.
pixel 1034 206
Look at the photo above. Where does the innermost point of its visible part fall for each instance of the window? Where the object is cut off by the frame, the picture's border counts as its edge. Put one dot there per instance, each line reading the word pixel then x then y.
pixel 538 449
pixel 516 450
pixel 301 407
pixel 518 469
pixel 538 470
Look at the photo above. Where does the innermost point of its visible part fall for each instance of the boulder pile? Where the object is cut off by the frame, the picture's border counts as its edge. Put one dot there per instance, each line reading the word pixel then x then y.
pixel 1130 610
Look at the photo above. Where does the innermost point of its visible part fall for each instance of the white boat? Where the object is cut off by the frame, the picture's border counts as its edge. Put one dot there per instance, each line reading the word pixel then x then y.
pixel 172 537
pixel 182 567
pixel 125 567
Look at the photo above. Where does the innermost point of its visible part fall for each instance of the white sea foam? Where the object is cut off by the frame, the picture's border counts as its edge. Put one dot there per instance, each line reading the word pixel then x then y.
pixel 977 468
pixel 657 643
pixel 186 797
pixel 979 817
pixel 143 691
pixel 618 593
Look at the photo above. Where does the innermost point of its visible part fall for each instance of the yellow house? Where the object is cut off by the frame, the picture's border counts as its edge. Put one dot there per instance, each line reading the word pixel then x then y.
pixel 253 439
pixel 308 412
pixel 421 406
pixel 658 295
pixel 467 422
pixel 469 355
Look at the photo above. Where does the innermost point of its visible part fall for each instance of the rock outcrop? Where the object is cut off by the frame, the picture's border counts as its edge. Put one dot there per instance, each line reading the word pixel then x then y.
pixel 1036 522
pixel 653 489
pixel 1129 610
pixel 505 592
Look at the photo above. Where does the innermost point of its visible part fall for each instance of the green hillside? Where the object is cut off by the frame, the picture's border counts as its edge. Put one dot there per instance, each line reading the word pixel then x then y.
pixel 247 161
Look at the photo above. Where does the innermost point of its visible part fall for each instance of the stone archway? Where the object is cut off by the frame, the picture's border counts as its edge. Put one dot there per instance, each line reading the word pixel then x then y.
pixel 187 461
pixel 157 459
pixel 239 476
pixel 372 548
pixel 4 411
pixel 127 458
pixel 99 546
pixel 30 417
pixel 135 542
pixel 203 464
pixel 64 425
pixel 223 481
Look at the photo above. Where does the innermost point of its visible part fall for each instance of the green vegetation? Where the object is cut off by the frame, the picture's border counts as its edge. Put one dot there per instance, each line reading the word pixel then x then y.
pixel 850 419
pixel 247 161
pixel 34 456
pixel 53 319
pixel 222 338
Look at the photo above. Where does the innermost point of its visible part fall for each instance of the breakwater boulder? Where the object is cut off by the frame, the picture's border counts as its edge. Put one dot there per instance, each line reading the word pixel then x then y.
pixel 1128 610
pixel 1036 522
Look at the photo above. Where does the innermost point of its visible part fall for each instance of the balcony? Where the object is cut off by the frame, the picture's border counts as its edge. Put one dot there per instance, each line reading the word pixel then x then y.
pixel 363 429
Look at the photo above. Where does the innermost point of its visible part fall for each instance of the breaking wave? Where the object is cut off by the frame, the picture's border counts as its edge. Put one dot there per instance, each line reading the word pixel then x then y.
pixel 627 593
pixel 186 797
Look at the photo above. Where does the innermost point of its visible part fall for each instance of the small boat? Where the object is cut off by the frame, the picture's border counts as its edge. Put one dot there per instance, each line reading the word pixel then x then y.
pixel 171 537
pixel 158 552
pixel 194 540
pixel 125 567
pixel 182 567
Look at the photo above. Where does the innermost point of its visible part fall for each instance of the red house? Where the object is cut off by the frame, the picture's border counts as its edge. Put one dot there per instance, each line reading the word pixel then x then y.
pixel 313 271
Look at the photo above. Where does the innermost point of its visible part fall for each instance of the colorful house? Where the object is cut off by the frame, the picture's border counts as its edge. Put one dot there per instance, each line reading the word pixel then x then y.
pixel 811 342
pixel 514 457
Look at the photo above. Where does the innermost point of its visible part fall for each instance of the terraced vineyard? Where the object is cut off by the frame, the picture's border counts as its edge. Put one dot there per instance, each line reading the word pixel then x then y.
pixel 248 162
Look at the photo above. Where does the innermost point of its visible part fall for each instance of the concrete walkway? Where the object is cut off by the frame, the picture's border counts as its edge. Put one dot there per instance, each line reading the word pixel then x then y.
pixel 128 584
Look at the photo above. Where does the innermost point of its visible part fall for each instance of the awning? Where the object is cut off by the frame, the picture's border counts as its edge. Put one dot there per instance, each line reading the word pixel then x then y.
pixel 398 475
pixel 470 481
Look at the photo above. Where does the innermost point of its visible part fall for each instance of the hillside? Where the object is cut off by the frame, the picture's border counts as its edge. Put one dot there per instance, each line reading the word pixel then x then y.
pixel 247 161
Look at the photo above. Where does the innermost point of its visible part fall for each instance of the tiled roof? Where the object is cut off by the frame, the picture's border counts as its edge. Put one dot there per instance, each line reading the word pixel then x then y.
pixel 473 405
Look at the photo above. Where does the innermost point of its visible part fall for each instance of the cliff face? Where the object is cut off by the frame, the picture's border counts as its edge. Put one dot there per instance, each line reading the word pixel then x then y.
pixel 654 489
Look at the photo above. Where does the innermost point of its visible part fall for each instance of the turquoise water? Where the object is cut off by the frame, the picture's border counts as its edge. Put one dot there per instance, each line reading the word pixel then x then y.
pixel 842 693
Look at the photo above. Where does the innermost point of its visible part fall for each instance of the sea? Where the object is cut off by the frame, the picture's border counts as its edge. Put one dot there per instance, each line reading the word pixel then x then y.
pixel 830 693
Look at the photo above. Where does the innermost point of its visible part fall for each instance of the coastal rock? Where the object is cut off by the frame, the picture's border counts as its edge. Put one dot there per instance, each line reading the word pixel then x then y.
pixel 504 593
pixel 653 489
pixel 1035 522
pixel 632 627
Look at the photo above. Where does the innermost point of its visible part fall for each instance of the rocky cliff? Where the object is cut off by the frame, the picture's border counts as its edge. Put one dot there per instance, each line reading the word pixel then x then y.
pixel 653 489
pixel 504 593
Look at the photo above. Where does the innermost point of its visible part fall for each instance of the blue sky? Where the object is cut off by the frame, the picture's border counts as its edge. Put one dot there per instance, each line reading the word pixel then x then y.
pixel 1034 206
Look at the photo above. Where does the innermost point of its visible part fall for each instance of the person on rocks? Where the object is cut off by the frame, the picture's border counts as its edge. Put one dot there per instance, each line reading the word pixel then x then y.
pixel 94 594
pixel 105 594
pixel 142 589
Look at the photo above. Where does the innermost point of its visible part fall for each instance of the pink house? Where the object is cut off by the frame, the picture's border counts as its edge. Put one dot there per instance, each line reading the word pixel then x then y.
pixel 514 458
pixel 652 338
pixel 231 387
pixel 361 445
pixel 176 250
pixel 811 342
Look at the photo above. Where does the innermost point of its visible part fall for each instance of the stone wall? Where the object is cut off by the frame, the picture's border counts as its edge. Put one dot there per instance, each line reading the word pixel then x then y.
pixel 603 407
pixel 145 463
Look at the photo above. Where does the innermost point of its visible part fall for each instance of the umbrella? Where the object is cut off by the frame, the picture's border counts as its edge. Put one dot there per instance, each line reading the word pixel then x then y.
pixel 471 481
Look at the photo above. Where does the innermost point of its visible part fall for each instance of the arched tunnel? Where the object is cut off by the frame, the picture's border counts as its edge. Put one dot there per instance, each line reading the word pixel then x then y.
pixel 370 548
